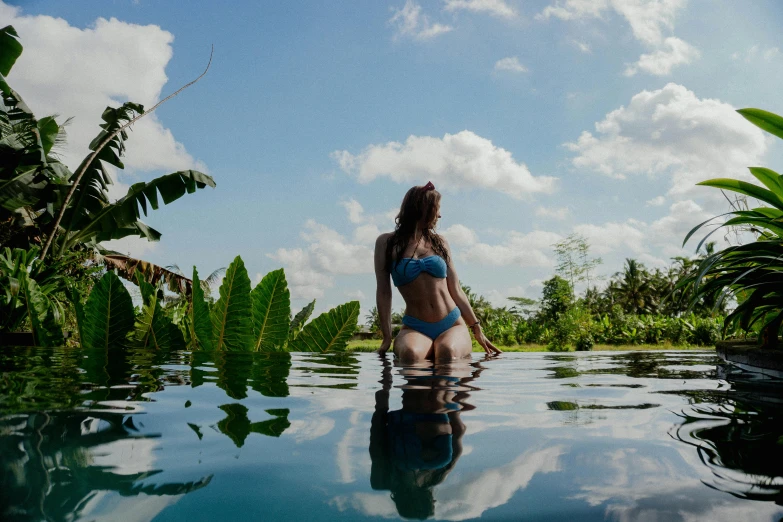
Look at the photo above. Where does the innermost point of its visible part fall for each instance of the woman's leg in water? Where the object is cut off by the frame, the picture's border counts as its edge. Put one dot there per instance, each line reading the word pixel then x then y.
pixel 454 343
pixel 411 346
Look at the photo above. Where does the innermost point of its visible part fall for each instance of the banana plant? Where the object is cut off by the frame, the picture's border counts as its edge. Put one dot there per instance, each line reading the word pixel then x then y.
pixel 753 270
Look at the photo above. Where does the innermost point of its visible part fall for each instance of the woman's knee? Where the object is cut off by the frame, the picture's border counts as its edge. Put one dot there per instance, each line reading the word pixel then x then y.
pixel 452 349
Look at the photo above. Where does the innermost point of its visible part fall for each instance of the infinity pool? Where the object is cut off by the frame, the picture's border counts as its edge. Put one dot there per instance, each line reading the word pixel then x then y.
pixel 197 436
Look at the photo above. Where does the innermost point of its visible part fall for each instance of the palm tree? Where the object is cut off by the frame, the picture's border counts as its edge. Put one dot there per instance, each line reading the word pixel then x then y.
pixel 634 288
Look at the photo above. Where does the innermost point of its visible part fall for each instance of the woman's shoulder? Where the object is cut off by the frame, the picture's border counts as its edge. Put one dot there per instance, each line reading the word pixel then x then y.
pixel 383 239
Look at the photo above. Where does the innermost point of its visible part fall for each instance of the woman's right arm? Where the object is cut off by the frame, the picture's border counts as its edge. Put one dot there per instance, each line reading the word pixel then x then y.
pixel 383 292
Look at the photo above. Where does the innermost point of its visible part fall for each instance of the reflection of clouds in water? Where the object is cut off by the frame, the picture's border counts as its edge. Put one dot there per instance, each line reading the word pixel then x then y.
pixel 660 487
pixel 347 462
pixel 370 504
pixel 126 456
pixel 469 497
pixel 635 424
pixel 309 428
pixel 110 506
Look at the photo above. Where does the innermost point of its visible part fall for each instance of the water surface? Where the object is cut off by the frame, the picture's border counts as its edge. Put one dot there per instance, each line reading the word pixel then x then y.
pixel 590 436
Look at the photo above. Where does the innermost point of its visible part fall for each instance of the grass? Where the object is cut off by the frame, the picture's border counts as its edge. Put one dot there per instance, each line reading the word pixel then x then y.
pixel 373 344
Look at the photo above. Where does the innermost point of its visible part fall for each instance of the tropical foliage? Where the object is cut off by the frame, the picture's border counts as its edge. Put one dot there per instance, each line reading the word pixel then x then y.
pixel 751 273
pixel 241 320
pixel 47 209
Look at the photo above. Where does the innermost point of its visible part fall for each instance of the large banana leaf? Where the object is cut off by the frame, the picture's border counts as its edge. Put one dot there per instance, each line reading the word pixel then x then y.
pixel 271 312
pixel 10 49
pixel 199 321
pixel 764 120
pixel 232 319
pixel 128 268
pixel 121 218
pixel 330 331
pixel 90 195
pixel 108 314
pixel 46 330
pixel 299 320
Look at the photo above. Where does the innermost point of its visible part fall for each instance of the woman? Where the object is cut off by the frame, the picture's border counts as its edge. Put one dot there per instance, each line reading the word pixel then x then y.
pixel 418 260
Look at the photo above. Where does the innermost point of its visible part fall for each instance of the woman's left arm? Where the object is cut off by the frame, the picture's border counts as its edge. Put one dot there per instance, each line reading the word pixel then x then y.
pixel 455 290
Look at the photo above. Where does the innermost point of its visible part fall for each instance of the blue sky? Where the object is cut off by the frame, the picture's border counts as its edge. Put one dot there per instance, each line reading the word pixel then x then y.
pixel 535 119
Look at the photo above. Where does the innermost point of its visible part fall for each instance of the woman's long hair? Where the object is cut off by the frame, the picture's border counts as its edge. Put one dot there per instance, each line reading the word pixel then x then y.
pixel 418 205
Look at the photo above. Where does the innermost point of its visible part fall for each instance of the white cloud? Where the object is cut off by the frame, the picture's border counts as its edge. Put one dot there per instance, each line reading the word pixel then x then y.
pixel 648 20
pixel 77 73
pixel 574 9
pixel 410 22
pixel 671 131
pixel 755 52
pixel 500 297
pixel 559 213
pixel 460 236
pixel 582 46
pixel 91 68
pixel 657 201
pixel 494 7
pixel 312 269
pixel 526 250
pixel 510 63
pixel 462 160
pixel 355 211
pixel 660 62
pixel 355 295
pixel 612 237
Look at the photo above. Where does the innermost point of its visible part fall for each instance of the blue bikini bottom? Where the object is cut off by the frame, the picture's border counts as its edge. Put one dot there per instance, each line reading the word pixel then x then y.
pixel 432 330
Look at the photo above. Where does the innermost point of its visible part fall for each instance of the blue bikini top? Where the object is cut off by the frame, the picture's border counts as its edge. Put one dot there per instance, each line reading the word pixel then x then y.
pixel 407 269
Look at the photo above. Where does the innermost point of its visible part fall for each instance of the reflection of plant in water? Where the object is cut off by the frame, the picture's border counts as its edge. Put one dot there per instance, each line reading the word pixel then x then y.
pixel 740 441
pixel 237 425
pixel 52 464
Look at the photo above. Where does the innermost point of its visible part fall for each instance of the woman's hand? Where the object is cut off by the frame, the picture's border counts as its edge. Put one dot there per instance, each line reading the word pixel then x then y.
pixel 491 349
pixel 385 345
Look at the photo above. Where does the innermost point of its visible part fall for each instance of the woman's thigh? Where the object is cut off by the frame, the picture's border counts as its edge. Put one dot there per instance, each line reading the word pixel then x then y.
pixel 454 343
pixel 410 345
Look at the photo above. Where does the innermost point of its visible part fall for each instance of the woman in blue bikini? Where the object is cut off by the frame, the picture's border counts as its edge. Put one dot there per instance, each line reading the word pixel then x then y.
pixel 418 261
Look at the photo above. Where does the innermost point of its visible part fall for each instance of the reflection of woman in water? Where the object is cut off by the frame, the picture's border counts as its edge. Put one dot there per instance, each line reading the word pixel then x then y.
pixel 437 312
pixel 413 449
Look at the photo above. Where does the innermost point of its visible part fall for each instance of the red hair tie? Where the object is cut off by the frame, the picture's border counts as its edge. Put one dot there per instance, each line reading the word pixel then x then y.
pixel 429 186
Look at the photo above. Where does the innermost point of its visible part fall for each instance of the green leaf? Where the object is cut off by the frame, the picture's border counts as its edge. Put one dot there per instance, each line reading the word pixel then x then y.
pixel 200 322
pixel 108 314
pixel 49 130
pixel 271 312
pixel 237 426
pixel 770 179
pixel 46 331
pixel 108 221
pixel 764 120
pixel 153 329
pixel 232 319
pixel 76 300
pixel 330 331
pixel 743 187
pixel 10 49
pixel 299 320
